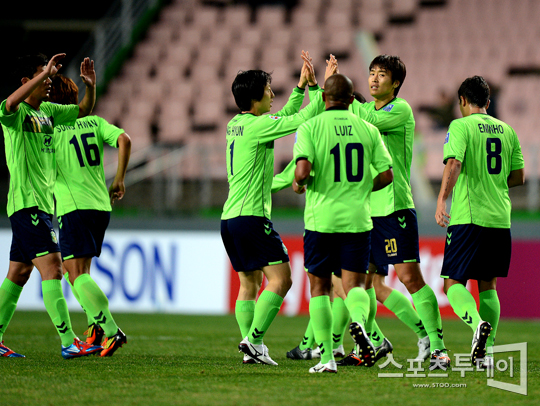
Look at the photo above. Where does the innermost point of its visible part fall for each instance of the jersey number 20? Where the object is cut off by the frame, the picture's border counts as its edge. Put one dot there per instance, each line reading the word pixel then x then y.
pixel 349 149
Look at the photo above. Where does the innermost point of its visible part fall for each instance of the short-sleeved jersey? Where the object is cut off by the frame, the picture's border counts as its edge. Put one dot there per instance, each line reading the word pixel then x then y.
pixel 29 145
pixel 489 150
pixel 80 184
pixel 250 156
pixel 395 122
pixel 341 147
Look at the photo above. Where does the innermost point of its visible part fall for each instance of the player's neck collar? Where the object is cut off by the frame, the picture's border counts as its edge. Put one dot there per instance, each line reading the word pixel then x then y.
pixel 386 104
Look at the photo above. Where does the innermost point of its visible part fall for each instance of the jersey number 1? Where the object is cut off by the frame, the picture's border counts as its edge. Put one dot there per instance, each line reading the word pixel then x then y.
pixel 355 146
pixel 90 150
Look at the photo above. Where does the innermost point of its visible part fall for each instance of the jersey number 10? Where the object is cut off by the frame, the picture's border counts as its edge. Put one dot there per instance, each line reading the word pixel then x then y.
pixel 355 146
pixel 91 151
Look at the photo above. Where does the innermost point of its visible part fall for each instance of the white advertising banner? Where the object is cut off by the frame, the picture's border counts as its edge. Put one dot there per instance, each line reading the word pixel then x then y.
pixel 149 271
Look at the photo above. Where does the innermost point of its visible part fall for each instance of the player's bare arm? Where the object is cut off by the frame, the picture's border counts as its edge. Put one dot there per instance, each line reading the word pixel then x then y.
pixel 88 76
pixel 450 176
pixel 31 84
pixel 301 175
pixel 383 179
pixel 516 178
pixel 117 188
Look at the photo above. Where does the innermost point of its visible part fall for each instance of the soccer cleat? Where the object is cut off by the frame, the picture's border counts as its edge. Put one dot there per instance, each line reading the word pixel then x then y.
pixel 350 360
pixel 339 351
pixel 6 352
pixel 111 344
pixel 248 360
pixel 330 366
pixel 79 349
pixel 257 351
pixel 94 334
pixel 439 360
pixel 297 353
pixel 479 341
pixel 364 346
pixel 423 349
pixel 383 350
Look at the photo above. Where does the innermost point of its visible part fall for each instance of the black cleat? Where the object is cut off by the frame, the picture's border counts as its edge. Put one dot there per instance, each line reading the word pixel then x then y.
pixel 297 353
pixel 364 346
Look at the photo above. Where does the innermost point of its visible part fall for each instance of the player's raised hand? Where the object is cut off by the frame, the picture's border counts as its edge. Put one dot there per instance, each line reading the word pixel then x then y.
pixel 117 190
pixel 302 82
pixel 310 70
pixel 331 67
pixel 441 216
pixel 53 66
pixel 88 74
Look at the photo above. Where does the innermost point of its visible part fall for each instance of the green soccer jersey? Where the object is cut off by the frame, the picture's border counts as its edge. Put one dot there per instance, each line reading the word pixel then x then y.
pixel 488 150
pixel 28 138
pixel 250 156
pixel 341 147
pixel 395 122
pixel 80 184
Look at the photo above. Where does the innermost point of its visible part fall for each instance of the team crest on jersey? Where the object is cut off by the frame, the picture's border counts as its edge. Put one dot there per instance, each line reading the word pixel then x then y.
pixel 274 117
pixel 47 141
pixel 388 108
pixel 447 138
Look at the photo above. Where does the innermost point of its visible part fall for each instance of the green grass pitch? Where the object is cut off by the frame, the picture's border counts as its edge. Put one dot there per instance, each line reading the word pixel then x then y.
pixel 193 360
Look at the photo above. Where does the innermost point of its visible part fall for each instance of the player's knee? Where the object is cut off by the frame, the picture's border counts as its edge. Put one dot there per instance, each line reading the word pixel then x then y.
pixel 412 282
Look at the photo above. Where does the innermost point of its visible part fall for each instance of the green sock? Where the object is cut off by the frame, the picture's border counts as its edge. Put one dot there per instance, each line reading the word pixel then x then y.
pixel 56 306
pixel 95 303
pixel 309 337
pixel 490 311
pixel 266 309
pixel 9 295
pixel 243 311
pixel 428 310
pixel 398 304
pixel 357 303
pixel 464 305
pixel 89 318
pixel 372 328
pixel 320 313
pixel 340 316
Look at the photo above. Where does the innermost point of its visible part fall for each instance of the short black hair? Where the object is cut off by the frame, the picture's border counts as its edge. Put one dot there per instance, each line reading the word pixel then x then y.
pixel 27 65
pixel 392 64
pixel 360 97
pixel 248 86
pixel 475 90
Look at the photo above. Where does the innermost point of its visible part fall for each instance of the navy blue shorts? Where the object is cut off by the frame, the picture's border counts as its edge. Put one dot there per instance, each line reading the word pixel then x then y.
pixel 33 235
pixel 327 253
pixel 394 238
pixel 252 243
pixel 476 252
pixel 381 269
pixel 82 233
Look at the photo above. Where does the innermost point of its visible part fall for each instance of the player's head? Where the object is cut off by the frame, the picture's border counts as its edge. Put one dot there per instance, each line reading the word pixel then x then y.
pixel 338 89
pixel 63 90
pixel 475 90
pixel 394 70
pixel 250 87
pixel 27 67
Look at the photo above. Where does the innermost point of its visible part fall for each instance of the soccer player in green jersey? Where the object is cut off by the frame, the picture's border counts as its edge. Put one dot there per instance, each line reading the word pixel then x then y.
pixel 28 122
pixel 395 227
pixel 253 246
pixel 483 160
pixel 83 206
pixel 337 148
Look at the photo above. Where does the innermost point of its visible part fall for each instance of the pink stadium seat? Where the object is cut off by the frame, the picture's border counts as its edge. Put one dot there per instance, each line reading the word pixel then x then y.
pixel 270 17
pixel 236 17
